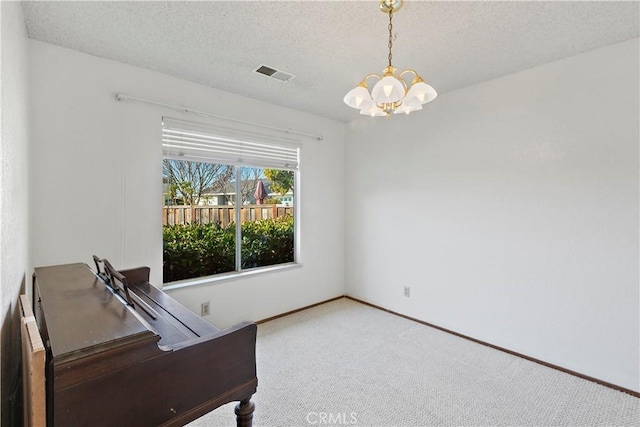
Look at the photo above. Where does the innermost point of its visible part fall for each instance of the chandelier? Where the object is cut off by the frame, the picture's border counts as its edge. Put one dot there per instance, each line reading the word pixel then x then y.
pixel 391 94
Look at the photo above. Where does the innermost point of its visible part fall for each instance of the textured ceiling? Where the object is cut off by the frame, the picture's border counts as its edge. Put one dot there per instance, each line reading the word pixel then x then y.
pixel 330 45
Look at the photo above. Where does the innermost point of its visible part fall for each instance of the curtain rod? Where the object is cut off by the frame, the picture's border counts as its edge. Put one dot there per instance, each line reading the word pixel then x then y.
pixel 124 97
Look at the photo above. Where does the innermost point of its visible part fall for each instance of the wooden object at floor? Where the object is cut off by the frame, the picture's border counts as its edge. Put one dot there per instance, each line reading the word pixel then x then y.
pixel 122 352
pixel 33 360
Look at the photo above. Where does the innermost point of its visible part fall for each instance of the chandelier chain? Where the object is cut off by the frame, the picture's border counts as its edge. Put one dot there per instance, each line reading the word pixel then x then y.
pixel 390 34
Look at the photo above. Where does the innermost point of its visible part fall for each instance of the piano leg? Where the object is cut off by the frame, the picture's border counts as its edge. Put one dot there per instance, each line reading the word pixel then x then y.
pixel 244 413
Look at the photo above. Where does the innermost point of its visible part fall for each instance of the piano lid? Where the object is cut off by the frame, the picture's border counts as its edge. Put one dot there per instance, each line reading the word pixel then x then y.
pixel 96 317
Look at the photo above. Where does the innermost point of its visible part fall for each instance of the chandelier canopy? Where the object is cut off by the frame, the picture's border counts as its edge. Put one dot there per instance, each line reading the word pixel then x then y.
pixel 391 94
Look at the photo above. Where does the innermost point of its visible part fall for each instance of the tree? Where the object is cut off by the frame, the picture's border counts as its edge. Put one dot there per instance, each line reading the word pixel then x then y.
pixel 249 178
pixel 280 180
pixel 190 180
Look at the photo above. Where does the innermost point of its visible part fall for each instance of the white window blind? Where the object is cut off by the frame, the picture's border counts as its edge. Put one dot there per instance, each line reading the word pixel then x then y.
pixel 185 140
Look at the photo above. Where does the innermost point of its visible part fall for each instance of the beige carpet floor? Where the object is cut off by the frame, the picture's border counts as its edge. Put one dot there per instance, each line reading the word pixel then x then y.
pixel 345 363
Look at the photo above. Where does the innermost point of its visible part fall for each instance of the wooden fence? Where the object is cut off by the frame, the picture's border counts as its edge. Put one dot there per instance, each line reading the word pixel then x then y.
pixel 172 215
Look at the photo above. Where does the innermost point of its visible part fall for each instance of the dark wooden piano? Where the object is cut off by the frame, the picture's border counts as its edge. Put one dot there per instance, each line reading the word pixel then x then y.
pixel 120 352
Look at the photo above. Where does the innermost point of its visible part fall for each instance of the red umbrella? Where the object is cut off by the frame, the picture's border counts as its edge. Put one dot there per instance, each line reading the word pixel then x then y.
pixel 260 193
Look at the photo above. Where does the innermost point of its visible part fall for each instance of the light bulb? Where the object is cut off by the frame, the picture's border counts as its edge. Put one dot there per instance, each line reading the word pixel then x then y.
pixel 422 92
pixel 358 97
pixel 387 90
pixel 406 109
pixel 372 110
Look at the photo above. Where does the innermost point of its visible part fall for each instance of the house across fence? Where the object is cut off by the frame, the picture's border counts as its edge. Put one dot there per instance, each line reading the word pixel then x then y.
pixel 181 215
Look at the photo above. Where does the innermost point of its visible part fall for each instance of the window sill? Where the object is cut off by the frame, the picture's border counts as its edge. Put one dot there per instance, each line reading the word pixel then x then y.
pixel 226 277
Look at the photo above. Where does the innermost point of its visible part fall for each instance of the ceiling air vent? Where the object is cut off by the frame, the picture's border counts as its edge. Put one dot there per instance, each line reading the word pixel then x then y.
pixel 282 76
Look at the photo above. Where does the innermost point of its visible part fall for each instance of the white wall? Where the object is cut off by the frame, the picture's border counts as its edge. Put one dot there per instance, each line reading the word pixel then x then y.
pixel 511 210
pixel 96 180
pixel 13 188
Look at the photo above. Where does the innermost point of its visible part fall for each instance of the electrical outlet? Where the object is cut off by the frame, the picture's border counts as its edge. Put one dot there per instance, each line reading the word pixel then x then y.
pixel 407 291
pixel 204 309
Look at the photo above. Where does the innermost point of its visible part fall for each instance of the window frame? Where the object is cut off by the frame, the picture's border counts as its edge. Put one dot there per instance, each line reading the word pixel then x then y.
pixel 240 272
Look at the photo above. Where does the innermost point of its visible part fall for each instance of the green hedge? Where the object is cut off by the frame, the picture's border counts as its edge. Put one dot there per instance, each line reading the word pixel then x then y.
pixel 197 250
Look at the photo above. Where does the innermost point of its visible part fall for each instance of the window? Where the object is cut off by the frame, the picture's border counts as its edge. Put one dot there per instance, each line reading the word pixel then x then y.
pixel 228 201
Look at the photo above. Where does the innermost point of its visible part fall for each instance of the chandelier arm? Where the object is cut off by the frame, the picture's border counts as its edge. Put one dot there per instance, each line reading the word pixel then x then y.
pixel 372 75
pixel 416 76
pixel 363 83
pixel 408 71
pixel 406 89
